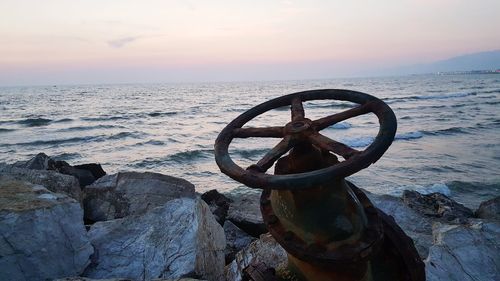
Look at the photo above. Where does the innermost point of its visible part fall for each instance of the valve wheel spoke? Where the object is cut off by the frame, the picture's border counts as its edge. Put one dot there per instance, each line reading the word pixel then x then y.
pixel 330 120
pixel 272 156
pixel 336 147
pixel 297 109
pixel 264 132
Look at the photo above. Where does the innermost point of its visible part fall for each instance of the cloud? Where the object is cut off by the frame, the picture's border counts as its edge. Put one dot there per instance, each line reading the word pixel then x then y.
pixel 121 42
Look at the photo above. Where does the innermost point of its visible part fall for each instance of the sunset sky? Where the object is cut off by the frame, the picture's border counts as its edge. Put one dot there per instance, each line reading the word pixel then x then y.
pixel 117 41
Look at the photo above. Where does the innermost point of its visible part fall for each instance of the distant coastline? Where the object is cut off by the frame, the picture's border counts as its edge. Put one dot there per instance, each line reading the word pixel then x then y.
pixel 497 71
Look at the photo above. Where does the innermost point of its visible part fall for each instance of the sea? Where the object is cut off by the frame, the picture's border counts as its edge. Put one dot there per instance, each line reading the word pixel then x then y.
pixel 448 137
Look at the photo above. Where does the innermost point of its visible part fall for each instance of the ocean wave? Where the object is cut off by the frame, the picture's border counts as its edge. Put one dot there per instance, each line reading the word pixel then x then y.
pixel 104 118
pixel 67 156
pixel 491 91
pixel 472 194
pixel 191 155
pixel 432 97
pixel 177 158
pixel 159 114
pixel 123 135
pixel 409 135
pixel 250 154
pixel 422 189
pixel 57 141
pixel 5 130
pixel 358 141
pixel 64 120
pixel 87 128
pixel 150 142
pixel 341 126
pixel 331 105
pixel 447 131
pixel 34 122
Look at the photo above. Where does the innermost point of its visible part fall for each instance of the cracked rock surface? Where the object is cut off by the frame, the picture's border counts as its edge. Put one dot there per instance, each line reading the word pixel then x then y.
pixel 131 193
pixel 51 180
pixel 42 233
pixel 265 250
pixel 244 212
pixel 465 252
pixel 179 239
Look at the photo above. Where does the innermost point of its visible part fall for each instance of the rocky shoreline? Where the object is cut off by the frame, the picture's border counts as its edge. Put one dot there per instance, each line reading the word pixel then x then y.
pixel 63 222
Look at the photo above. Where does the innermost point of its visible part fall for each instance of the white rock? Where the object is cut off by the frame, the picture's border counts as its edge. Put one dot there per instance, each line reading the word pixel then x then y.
pixel 129 193
pixel 265 250
pixel 178 239
pixel 236 239
pixel 42 233
pixel 465 253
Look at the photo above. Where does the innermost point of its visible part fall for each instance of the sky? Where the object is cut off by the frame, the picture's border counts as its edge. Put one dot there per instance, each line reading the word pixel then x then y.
pixel 119 41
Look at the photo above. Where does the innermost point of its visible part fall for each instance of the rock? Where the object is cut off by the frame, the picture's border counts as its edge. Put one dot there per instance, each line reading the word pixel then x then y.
pixel 245 213
pixel 218 203
pixel 178 239
pixel 129 193
pixel 85 174
pixel 265 250
pixel 40 162
pixel 78 278
pixel 84 177
pixel 489 209
pixel 95 169
pixel 465 253
pixel 52 180
pixel 438 206
pixel 418 227
pixel 42 233
pixel 236 239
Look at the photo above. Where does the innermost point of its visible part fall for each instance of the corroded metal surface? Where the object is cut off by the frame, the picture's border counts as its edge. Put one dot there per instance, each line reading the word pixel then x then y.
pixel 301 129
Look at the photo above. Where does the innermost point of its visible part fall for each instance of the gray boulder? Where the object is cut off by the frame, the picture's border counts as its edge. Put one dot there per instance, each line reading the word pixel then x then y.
pixel 265 250
pixel 85 174
pixel 489 209
pixel 465 253
pixel 418 227
pixel 42 233
pixel 52 180
pixel 236 239
pixel 179 239
pixel 218 203
pixel 40 162
pixel 437 206
pixel 123 279
pixel 131 193
pixel 244 212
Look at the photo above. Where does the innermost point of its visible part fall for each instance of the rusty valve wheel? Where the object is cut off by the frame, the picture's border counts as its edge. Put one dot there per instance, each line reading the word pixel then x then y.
pixel 300 130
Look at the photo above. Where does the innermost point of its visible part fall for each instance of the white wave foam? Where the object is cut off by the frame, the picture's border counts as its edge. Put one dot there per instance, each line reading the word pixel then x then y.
pixel 409 135
pixel 341 126
pixel 427 189
pixel 358 142
pixel 447 96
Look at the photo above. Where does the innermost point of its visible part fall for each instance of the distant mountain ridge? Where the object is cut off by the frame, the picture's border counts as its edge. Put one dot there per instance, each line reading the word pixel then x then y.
pixel 489 60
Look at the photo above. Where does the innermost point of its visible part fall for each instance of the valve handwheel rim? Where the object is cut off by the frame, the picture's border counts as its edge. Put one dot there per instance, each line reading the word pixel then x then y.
pixel 301 128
